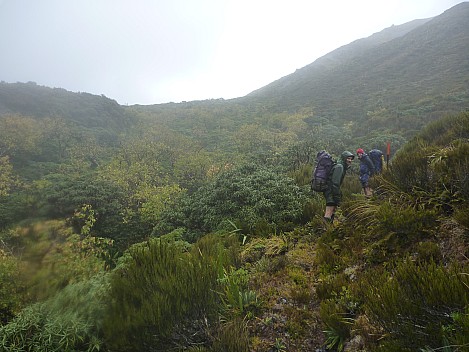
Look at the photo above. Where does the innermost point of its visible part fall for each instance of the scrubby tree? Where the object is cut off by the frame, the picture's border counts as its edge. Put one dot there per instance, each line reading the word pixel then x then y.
pixel 256 198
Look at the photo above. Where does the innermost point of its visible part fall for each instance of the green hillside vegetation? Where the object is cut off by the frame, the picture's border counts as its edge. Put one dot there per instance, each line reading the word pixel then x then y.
pixel 245 263
pixel 192 226
pixel 407 74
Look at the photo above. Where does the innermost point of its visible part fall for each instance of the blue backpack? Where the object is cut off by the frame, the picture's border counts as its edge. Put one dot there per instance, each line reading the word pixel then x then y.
pixel 322 171
pixel 376 157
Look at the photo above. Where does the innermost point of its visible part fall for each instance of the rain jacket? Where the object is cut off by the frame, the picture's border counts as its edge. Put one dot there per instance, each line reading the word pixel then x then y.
pixel 367 169
pixel 333 193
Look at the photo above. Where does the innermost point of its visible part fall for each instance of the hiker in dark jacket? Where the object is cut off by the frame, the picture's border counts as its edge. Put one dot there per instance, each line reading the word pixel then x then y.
pixel 367 170
pixel 333 193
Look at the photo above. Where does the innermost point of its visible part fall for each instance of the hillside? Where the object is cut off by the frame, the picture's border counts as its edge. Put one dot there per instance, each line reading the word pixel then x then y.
pixel 417 68
pixel 83 109
pixel 192 227
pixel 394 81
pixel 390 274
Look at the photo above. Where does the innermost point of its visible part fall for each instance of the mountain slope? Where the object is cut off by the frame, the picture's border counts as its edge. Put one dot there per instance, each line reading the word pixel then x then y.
pixel 394 81
pixel 87 110
pixel 428 61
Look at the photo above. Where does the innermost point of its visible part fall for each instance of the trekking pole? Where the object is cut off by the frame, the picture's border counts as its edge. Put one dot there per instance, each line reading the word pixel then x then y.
pixel 388 153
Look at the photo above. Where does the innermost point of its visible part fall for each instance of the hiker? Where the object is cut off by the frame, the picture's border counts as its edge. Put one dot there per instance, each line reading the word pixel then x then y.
pixel 333 193
pixel 377 157
pixel 367 170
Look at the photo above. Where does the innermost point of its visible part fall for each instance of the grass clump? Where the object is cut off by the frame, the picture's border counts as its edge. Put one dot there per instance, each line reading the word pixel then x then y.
pixel 418 305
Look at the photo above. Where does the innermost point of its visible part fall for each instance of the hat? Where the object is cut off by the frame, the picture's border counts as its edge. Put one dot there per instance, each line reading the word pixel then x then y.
pixel 360 151
pixel 346 154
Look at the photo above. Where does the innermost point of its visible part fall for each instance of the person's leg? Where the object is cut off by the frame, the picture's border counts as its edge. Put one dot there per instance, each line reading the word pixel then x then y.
pixel 329 213
pixel 330 206
pixel 366 188
pixel 368 191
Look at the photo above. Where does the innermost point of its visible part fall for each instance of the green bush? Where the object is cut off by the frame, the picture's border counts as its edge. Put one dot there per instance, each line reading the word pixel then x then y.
pixel 12 295
pixel 257 199
pixel 52 256
pixel 434 165
pixel 337 322
pixel 330 285
pixel 237 299
pixel 69 321
pixel 416 303
pixel 158 287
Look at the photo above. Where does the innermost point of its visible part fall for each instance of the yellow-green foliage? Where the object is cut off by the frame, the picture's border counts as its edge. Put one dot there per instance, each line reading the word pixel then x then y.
pixel 7 177
pixel 237 299
pixel 300 290
pixel 314 207
pixel 158 287
pixel 461 215
pixel 327 260
pixel 302 175
pixel 330 285
pixel 300 321
pixel 428 251
pixel 418 305
pixel 53 256
pixel 385 228
pixel 271 247
pixel 445 130
pixel 11 287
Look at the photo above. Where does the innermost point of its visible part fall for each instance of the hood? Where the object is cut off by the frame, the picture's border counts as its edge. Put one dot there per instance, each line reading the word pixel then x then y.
pixel 345 155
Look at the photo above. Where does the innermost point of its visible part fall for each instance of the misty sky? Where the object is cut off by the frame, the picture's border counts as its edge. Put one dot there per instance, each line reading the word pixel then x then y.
pixel 157 51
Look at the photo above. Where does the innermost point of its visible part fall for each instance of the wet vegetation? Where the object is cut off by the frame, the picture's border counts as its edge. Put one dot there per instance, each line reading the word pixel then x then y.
pixel 114 260
pixel 192 226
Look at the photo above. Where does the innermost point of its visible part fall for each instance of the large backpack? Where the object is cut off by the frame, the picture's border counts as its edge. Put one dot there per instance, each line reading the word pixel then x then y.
pixel 321 172
pixel 376 157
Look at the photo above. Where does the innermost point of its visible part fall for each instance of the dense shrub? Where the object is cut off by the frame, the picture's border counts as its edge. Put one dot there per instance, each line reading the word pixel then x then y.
pixel 69 321
pixel 249 195
pixel 159 287
pixel 11 286
pixel 232 336
pixel 337 324
pixel 257 199
pixel 418 305
pixel 435 164
pixel 52 256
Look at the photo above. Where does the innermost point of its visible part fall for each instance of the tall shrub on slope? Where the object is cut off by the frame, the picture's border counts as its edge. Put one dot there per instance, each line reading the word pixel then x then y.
pixel 256 198
pixel 436 162
pixel 160 290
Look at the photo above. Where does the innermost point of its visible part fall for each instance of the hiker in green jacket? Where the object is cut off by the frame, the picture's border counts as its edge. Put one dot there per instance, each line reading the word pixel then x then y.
pixel 333 193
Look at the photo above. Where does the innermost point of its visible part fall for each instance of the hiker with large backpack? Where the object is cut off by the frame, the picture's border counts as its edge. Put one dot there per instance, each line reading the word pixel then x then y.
pixel 367 169
pixel 327 178
pixel 377 157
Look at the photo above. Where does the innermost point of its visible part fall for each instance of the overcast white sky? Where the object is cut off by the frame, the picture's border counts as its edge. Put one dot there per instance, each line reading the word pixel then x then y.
pixel 157 51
